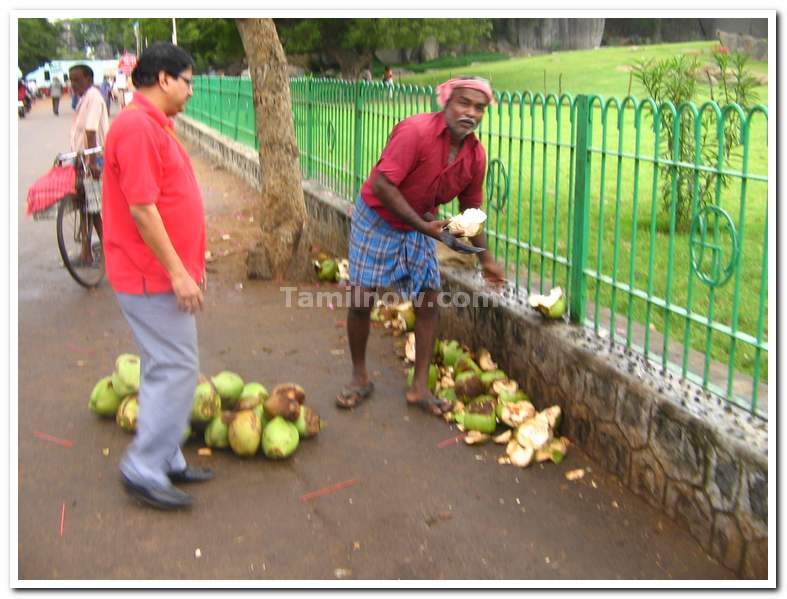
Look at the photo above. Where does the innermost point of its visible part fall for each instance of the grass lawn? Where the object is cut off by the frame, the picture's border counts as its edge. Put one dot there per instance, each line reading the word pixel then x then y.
pixel 603 72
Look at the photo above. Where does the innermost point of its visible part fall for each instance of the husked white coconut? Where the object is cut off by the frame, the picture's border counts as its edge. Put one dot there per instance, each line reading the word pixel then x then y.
pixel 409 347
pixel 519 455
pixel 552 305
pixel 515 414
pixel 468 223
pixel 475 437
pixel 534 432
pixel 503 438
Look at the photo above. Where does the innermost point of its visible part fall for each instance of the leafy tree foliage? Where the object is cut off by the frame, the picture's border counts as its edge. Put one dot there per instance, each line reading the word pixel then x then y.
pixel 214 43
pixel 38 42
pixel 351 42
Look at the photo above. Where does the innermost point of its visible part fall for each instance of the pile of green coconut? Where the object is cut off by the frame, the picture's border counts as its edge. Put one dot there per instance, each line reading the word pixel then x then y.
pixel 487 405
pixel 227 413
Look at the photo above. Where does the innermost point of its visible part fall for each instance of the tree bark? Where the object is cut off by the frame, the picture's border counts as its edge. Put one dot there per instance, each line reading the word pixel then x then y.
pixel 283 250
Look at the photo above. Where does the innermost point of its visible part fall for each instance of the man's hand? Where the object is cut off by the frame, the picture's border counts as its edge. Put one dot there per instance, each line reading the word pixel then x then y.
pixel 493 272
pixel 433 228
pixel 187 293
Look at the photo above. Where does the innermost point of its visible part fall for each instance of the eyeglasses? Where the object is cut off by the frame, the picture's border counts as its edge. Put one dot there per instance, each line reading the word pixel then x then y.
pixel 189 82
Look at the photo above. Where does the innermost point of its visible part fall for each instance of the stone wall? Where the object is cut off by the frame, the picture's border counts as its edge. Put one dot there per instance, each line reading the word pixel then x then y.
pixel 647 30
pixel 684 451
pixel 756 47
pixel 549 34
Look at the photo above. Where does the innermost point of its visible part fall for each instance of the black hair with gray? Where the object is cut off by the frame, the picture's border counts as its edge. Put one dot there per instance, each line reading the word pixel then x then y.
pixel 86 70
pixel 161 56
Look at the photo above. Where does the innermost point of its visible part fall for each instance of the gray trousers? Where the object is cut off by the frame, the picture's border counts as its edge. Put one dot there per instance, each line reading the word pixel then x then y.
pixel 167 342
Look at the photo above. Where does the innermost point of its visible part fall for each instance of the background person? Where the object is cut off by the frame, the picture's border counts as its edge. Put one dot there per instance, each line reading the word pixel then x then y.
pixel 388 79
pixel 88 130
pixel 106 93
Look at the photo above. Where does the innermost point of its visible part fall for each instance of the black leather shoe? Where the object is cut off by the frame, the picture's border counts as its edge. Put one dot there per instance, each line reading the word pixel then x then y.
pixel 163 499
pixel 192 474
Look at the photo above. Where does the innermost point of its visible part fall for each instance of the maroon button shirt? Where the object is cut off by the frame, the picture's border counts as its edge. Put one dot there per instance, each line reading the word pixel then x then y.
pixel 416 161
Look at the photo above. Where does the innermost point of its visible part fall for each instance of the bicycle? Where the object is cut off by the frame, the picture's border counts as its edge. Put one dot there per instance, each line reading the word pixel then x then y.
pixel 79 228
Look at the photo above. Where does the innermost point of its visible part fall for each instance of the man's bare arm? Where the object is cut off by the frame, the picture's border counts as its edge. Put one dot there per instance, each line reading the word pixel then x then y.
pixel 393 199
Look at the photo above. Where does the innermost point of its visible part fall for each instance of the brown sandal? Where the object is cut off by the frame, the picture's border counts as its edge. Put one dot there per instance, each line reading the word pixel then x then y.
pixel 352 395
pixel 436 406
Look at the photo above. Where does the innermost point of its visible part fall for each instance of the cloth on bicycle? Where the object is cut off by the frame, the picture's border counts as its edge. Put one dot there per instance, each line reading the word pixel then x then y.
pixel 51 187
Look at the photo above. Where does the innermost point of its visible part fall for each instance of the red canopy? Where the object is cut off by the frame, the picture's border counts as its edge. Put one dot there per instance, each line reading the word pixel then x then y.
pixel 127 63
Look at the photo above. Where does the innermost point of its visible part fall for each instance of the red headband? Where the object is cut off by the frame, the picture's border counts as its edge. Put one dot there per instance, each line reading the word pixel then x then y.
pixel 444 90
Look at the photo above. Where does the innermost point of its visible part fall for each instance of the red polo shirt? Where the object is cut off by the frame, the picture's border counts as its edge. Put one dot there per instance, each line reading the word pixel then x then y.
pixel 415 160
pixel 144 163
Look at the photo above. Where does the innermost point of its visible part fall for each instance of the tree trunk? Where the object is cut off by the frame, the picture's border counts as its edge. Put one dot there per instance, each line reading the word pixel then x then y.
pixel 283 250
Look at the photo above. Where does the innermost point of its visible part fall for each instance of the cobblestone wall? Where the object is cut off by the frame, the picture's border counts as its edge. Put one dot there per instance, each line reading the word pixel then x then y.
pixel 684 451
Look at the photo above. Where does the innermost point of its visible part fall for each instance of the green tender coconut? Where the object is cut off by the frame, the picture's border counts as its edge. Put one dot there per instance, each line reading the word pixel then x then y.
pixel 451 351
pixel 491 376
pixel 103 399
pixel 308 423
pixel 279 439
pixel 244 433
pixel 480 415
pixel 206 404
pixel 126 377
pixel 252 394
pixel 434 376
pixel 448 393
pixel 229 386
pixel 328 270
pixel 127 414
pixel 217 431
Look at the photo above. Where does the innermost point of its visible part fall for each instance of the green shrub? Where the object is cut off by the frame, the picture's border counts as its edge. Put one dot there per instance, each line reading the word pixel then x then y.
pixel 676 80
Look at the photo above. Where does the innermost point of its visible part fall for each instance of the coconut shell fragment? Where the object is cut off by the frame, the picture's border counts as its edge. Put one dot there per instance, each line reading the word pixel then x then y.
pixel 552 306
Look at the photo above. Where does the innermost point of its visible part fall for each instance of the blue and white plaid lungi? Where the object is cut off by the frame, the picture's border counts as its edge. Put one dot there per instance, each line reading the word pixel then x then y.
pixel 381 256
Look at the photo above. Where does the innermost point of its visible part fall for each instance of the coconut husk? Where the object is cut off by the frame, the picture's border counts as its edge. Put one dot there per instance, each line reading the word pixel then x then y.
pixel 282 404
pixel 290 390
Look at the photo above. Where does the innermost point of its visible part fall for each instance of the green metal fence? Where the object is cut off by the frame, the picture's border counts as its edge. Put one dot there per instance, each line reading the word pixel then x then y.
pixel 583 192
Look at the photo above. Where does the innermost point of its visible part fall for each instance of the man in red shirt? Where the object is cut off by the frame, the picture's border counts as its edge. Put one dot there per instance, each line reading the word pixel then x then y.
pixel 429 160
pixel 154 245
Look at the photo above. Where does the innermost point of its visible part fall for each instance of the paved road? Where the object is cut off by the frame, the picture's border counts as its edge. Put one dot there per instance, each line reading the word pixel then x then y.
pixel 416 511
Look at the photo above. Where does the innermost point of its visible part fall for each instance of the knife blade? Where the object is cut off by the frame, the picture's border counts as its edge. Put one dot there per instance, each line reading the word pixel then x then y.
pixel 452 242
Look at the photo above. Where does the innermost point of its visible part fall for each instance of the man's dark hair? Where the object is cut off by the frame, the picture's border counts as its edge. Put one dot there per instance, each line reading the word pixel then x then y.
pixel 161 56
pixel 86 70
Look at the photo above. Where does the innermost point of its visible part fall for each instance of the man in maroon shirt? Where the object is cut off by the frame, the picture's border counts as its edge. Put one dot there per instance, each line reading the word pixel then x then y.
pixel 429 160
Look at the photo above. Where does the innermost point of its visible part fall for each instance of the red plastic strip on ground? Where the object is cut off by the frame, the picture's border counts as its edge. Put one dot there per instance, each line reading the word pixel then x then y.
pixel 62 518
pixel 451 441
pixel 330 489
pixel 51 439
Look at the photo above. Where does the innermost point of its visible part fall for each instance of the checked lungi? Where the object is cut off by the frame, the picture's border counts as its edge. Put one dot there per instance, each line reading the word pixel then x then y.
pixel 381 256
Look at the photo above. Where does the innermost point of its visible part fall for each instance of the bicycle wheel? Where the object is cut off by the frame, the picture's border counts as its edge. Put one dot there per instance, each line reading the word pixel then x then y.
pixel 76 232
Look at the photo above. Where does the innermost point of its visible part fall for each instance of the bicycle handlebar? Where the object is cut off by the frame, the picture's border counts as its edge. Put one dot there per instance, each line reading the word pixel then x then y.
pixel 72 155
